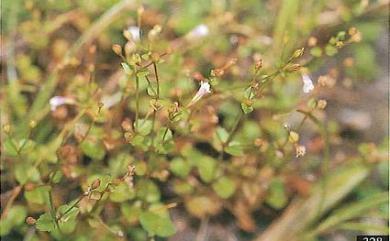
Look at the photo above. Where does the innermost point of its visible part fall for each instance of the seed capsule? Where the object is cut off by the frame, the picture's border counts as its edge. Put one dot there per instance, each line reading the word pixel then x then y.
pixel 95 184
pixel 31 220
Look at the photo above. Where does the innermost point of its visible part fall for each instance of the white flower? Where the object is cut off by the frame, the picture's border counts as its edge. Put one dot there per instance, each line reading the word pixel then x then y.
pixel 204 89
pixel 60 100
pixel 198 32
pixel 134 30
pixel 307 83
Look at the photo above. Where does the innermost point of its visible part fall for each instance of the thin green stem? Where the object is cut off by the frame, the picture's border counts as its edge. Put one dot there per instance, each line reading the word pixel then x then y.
pixel 53 210
pixel 90 126
pixel 70 208
pixel 136 100
pixel 165 133
pixel 156 99
pixel 157 79
pixel 231 134
pixel 100 198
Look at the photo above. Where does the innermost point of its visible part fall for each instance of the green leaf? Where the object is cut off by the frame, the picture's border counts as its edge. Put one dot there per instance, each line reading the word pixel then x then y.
pixel 127 68
pixel 57 176
pixel 5 227
pixel 147 191
pixel 246 108
pixel 157 224
pixel 164 135
pixel 143 127
pixel 316 52
pixel 118 164
pixel 143 73
pixel 151 91
pixel 131 212
pixel 139 141
pixel 15 217
pixel 26 146
pixel 37 195
pixel 163 141
pixel 235 149
pixel 330 50
pixel 276 197
pixel 180 167
pixel 140 168
pixel 121 193
pixel 68 221
pixel 222 134
pixel 104 181
pixel 45 223
pixel 94 150
pixel 25 172
pixel 224 187
pixel 333 40
pixel 10 148
pixel 365 61
pixel 249 93
pixel 207 168
pixel 341 36
pixel 181 187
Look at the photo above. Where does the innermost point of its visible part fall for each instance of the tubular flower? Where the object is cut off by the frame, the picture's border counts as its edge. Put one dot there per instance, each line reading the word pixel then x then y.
pixel 199 31
pixel 134 30
pixel 307 83
pixel 60 100
pixel 204 89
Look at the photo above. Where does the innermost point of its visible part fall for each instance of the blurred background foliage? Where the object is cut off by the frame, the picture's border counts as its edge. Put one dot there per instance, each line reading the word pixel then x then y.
pixel 131 154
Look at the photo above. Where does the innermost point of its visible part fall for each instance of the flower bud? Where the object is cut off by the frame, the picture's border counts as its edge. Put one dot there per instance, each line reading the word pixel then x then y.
pixel 7 128
pixel 312 41
pixel 152 35
pixel 293 137
pixel 259 142
pixel 155 57
pixel 31 220
pixel 248 102
pixel 292 67
pixel 352 31
pixel 258 64
pixel 357 37
pixel 127 125
pixel 321 104
pixel 128 136
pixel 130 47
pixel 127 35
pixel 326 81
pixel 117 49
pixel 32 124
pixel 339 44
pixel 217 72
pixel 95 184
pixel 298 53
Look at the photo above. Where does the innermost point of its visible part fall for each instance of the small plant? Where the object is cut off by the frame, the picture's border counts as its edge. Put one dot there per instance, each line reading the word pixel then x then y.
pixel 117 134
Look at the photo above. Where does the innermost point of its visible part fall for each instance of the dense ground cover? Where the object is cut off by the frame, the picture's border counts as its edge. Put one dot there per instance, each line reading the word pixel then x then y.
pixel 193 120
